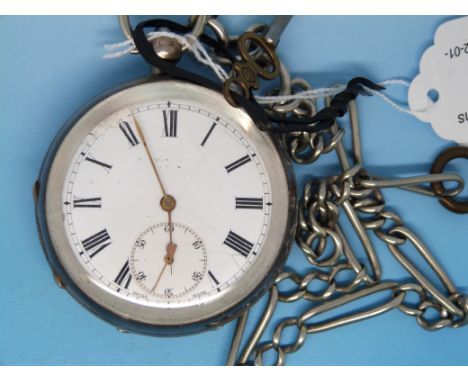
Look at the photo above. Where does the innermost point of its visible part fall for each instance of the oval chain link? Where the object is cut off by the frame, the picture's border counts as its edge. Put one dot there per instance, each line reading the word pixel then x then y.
pixel 326 247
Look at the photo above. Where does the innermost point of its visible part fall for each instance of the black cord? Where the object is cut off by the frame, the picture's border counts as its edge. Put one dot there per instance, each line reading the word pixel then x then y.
pixel 323 120
pixel 326 117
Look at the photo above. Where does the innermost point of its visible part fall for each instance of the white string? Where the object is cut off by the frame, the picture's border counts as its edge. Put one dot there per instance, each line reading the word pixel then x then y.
pixel 390 101
pixel 396 81
pixel 191 43
pixel 311 94
pixel 202 55
pixel 187 41
pixel 319 93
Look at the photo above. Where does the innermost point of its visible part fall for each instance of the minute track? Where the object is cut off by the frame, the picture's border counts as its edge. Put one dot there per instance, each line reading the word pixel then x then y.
pixel 205 192
pixel 250 164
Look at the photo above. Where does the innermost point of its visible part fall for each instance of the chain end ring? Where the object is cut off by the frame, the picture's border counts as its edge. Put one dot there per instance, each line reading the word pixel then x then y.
pixel 460 207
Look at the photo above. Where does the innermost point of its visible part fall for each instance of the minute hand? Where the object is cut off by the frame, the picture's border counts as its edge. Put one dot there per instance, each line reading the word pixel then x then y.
pixel 153 165
pixel 168 202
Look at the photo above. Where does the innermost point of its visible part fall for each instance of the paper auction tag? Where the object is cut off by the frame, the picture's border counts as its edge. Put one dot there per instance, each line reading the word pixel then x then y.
pixel 439 93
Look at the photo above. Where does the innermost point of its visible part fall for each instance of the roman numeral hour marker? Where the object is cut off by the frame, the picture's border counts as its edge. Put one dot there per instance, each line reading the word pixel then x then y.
pixel 208 134
pixel 126 129
pixel 238 243
pixel 170 124
pixel 124 276
pixel 236 164
pixel 87 202
pixel 249 203
pixel 96 242
pixel 99 163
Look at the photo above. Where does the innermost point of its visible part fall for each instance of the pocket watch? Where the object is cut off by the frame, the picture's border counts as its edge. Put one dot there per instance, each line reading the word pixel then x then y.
pixel 163 209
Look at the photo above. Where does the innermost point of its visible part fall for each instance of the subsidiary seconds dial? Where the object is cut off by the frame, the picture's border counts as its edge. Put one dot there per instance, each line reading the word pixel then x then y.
pixel 168 279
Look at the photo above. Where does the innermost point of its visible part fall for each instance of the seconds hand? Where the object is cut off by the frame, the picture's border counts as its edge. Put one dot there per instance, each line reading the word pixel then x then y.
pixel 167 203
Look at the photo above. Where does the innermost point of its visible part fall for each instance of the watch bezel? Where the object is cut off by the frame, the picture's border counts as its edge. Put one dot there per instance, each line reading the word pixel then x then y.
pixel 106 305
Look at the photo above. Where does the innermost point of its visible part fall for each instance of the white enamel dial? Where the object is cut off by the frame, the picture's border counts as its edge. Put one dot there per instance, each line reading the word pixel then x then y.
pixel 116 225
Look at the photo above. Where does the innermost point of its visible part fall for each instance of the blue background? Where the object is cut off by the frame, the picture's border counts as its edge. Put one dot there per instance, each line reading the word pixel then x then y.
pixel 51 66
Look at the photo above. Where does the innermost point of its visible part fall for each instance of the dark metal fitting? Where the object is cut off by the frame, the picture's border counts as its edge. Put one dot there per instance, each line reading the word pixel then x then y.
pixel 460 206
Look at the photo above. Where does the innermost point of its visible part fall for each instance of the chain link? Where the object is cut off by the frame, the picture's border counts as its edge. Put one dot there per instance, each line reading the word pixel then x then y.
pixel 325 246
